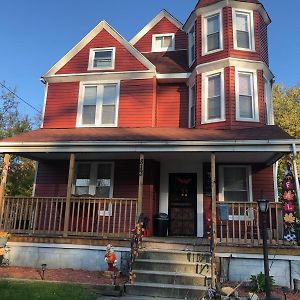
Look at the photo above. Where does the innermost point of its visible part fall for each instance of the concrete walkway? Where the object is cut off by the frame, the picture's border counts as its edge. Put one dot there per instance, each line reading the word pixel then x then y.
pixel 134 298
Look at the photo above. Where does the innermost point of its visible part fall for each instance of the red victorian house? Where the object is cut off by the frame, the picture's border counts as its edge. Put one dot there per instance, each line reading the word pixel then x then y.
pixel 179 120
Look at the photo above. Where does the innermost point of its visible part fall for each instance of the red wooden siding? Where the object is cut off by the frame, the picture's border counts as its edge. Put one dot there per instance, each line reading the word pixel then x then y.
pixel 172 105
pixel 136 103
pixel 125 61
pixel 61 105
pixel 163 26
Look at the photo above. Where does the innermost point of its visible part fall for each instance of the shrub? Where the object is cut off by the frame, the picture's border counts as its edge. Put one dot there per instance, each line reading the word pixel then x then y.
pixel 258 282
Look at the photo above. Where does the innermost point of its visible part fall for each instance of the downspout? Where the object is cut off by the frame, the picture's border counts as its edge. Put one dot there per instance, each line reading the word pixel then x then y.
pixel 296 174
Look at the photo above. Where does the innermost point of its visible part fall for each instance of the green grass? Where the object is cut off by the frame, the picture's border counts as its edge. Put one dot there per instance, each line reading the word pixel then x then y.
pixel 13 290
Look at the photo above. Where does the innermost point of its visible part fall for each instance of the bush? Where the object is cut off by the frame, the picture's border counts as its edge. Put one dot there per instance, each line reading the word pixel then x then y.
pixel 258 282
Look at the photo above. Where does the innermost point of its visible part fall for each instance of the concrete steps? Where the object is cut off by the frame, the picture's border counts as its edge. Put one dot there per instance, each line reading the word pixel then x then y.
pixel 175 274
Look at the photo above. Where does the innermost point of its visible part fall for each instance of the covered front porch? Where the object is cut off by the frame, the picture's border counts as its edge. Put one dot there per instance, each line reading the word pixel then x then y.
pixel 188 180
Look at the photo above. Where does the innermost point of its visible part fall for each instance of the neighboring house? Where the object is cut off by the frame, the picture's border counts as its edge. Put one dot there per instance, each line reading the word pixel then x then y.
pixel 138 126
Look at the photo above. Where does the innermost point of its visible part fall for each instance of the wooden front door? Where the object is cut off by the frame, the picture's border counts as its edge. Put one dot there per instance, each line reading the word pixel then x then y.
pixel 182 204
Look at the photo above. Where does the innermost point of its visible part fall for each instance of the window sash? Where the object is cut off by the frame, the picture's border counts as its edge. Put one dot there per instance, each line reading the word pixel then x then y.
pixel 192 112
pixel 101 111
pixel 243 31
pixel 214 97
pixel 246 100
pixel 192 50
pixel 104 60
pixel 163 42
pixel 213 38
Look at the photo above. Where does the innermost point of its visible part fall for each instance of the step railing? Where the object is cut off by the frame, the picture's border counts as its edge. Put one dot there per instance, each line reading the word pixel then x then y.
pixel 238 223
pixel 112 217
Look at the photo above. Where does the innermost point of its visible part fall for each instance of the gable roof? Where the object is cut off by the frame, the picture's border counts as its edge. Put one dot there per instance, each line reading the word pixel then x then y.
pixel 153 22
pixel 91 35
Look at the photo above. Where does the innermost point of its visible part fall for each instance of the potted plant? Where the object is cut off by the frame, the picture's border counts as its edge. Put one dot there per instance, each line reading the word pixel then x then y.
pixel 4 236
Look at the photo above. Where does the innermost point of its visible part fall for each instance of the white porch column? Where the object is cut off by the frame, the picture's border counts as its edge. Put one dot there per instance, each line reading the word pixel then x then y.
pixel 69 193
pixel 141 184
pixel 296 174
pixel 4 174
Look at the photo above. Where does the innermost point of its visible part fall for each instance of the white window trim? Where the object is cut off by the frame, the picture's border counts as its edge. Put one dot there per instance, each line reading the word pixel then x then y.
pixel 204 32
pixel 99 103
pixel 190 105
pixel 250 214
pixel 205 77
pixel 92 57
pixel 154 36
pixel 268 101
pixel 255 106
pixel 92 187
pixel 192 60
pixel 251 28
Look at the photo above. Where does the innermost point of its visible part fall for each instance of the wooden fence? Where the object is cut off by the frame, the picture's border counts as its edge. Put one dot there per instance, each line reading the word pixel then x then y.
pixel 87 217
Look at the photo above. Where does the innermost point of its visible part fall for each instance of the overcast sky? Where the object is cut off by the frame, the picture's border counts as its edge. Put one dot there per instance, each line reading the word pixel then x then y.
pixel 36 34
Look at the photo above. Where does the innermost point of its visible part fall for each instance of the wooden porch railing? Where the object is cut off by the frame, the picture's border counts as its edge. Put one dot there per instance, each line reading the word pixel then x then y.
pixel 88 216
pixel 242 226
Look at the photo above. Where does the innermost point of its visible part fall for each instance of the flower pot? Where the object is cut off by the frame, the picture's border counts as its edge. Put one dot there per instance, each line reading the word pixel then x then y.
pixel 3 241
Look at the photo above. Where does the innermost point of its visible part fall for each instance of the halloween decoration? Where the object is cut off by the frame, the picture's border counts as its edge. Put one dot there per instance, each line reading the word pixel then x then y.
pixel 110 258
pixel 288 206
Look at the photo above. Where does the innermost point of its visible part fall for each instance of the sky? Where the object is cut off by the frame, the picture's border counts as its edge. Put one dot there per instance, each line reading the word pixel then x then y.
pixel 35 34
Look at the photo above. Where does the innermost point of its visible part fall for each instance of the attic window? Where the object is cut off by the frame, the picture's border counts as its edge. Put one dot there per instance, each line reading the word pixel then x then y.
pixel 163 42
pixel 102 59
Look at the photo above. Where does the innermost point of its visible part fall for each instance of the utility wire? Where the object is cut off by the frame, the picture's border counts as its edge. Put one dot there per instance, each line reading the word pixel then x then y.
pixel 26 102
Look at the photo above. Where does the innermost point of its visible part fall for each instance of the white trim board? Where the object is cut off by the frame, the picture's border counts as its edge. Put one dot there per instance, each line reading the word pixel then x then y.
pixel 162 14
pixel 91 35
pixel 176 166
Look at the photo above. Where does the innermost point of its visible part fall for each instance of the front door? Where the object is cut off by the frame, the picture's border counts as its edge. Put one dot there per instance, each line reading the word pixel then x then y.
pixel 182 204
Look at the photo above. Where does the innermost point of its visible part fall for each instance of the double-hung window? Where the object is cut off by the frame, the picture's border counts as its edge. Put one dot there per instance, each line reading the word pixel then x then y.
pixel 246 96
pixel 235 184
pixel 163 42
pixel 98 105
pixel 212 33
pixel 192 52
pixel 102 59
pixel 243 30
pixel 213 100
pixel 192 106
pixel 269 118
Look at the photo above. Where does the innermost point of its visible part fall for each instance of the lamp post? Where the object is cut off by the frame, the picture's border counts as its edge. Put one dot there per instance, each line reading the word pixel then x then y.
pixel 263 205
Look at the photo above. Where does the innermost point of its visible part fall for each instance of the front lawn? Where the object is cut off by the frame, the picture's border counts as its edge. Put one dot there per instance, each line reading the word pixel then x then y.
pixel 13 290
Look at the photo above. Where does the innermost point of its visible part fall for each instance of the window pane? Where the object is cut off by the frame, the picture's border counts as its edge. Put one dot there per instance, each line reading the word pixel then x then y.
pixel 82 179
pixel 158 42
pixel 245 84
pixel 103 59
pixel 214 108
pixel 109 95
pixel 213 42
pixel 214 86
pixel 167 42
pixel 192 44
pixel 235 196
pixel 104 171
pixel 243 40
pixel 246 107
pixel 88 114
pixel 108 114
pixel 83 171
pixel 235 179
pixel 242 22
pixel 103 181
pixel 192 120
pixel 90 95
pixel 213 24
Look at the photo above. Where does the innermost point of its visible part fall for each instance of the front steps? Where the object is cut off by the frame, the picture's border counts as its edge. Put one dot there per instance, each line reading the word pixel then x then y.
pixel 171 274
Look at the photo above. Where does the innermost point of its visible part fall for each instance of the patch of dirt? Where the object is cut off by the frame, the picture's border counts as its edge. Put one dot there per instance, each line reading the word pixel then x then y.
pixel 277 291
pixel 63 275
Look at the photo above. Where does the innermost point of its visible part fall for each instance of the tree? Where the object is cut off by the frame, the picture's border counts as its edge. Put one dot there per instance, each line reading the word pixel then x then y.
pixel 286 102
pixel 21 171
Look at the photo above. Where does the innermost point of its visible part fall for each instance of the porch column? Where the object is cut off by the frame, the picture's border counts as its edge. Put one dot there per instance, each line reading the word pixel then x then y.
pixel 5 166
pixel 141 185
pixel 213 219
pixel 296 174
pixel 69 193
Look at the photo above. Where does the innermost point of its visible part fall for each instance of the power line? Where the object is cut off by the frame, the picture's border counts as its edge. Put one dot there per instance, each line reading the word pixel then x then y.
pixel 26 102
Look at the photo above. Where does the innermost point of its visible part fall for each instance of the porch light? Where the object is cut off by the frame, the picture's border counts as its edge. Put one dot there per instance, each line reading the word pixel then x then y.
pixel 263 204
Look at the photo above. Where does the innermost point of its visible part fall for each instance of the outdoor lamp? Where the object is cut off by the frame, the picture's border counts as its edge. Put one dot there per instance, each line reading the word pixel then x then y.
pixel 43 267
pixel 263 204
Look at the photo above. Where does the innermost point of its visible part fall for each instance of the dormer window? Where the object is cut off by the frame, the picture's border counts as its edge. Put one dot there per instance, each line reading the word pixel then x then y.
pixel 243 30
pixel 163 42
pixel 102 59
pixel 212 34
